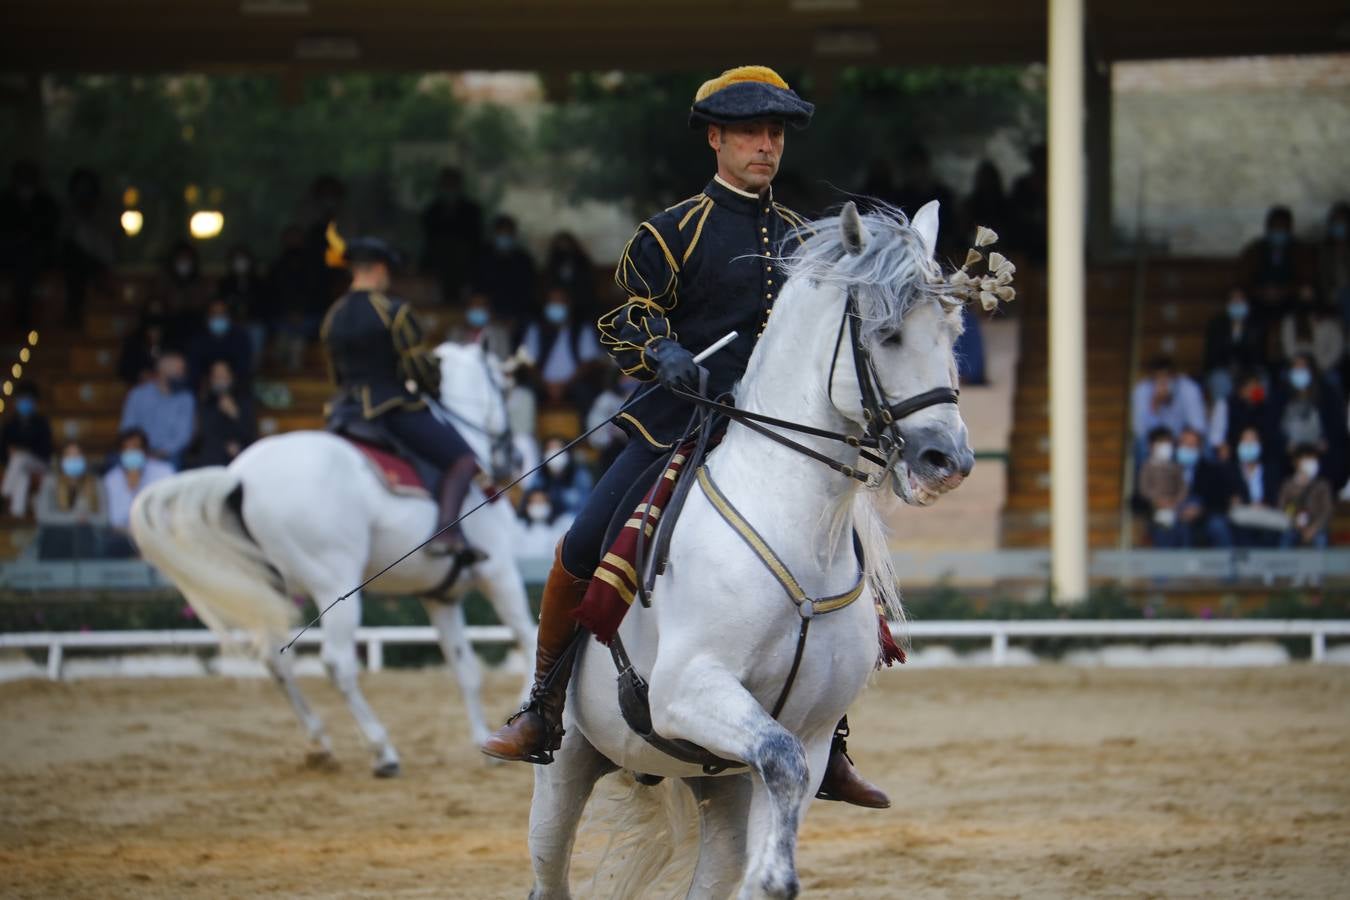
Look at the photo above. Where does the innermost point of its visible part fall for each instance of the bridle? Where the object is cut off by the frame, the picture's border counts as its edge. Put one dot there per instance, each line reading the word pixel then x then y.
pixel 880 443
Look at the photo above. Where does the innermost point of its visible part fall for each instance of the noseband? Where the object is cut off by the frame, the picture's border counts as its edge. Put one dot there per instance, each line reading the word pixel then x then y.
pixel 880 442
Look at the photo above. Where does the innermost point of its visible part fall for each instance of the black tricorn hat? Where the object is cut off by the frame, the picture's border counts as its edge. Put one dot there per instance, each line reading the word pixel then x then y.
pixel 747 93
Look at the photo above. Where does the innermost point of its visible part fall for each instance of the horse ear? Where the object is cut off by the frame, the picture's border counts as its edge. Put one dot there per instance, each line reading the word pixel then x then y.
pixel 851 226
pixel 925 222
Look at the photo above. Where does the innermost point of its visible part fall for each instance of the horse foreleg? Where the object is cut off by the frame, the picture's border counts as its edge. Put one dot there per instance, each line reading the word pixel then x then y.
pixel 707 705
pixel 561 790
pixel 499 579
pixel 283 673
pixel 449 621
pixel 339 659
pixel 723 808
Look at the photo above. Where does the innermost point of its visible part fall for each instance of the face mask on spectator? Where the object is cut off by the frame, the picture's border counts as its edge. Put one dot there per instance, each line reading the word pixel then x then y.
pixel 25 406
pixel 1249 451
pixel 1188 456
pixel 566 270
pixel 538 512
pixel 1278 237
pixel 220 387
pixel 1300 379
pixel 557 464
pixel 240 265
pixel 1308 467
pixel 133 459
pixel 556 313
pixel 1237 309
pixel 183 267
pixel 477 317
pixel 1162 451
pixel 177 384
pixel 73 466
pixel 1339 231
pixel 219 325
pixel 504 242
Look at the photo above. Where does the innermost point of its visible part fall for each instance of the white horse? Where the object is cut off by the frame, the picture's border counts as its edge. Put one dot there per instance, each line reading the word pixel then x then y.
pixel 719 640
pixel 304 514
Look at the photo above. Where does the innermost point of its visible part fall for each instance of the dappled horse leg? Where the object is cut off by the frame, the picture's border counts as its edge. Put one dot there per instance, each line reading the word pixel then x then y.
pixel 723 806
pixel 449 621
pixel 339 659
pixel 282 669
pixel 710 707
pixel 560 794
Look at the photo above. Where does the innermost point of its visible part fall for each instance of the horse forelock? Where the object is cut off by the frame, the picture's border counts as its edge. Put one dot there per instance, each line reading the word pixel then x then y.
pixel 891 276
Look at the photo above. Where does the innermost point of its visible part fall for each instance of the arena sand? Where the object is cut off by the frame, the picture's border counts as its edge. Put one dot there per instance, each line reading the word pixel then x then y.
pixel 1042 782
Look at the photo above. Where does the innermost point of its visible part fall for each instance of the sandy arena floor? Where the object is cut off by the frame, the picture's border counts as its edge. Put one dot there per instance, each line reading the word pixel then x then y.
pixel 1044 782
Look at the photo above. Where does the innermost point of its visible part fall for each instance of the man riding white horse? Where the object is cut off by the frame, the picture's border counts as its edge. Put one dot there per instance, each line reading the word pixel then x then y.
pixel 384 375
pixel 694 272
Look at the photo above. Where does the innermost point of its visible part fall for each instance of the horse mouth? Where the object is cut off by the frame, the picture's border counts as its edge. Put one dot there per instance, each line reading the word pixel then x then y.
pixel 916 490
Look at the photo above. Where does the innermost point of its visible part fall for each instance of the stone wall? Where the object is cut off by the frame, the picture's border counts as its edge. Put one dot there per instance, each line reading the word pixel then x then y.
pixel 1211 144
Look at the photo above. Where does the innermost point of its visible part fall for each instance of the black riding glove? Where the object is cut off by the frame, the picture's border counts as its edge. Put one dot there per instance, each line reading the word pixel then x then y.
pixel 675 366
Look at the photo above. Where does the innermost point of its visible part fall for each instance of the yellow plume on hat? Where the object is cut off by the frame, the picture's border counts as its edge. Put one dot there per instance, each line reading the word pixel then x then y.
pixel 336 254
pixel 760 74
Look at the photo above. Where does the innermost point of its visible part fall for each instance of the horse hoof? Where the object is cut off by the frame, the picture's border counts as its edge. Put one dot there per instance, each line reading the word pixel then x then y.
pixel 388 769
pixel 321 761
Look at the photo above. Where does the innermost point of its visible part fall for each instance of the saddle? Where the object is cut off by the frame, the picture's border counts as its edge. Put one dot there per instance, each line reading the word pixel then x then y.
pixel 400 470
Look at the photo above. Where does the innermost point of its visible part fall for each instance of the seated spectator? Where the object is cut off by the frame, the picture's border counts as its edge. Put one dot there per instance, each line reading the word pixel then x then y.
pixel 987 203
pixel 296 290
pixel 1306 499
pixel 1235 341
pixel 1029 201
pixel 71 508
pixel 452 225
pixel 1311 413
pixel 142 348
pixel 506 273
pixel 1313 328
pixel 1205 500
pixel 25 447
pixel 569 267
pixel 522 413
pixel 244 289
pixel 611 439
pixel 222 340
pixel 1276 258
pixel 183 292
pixel 541 526
pixel 1334 262
pixel 480 325
pixel 226 422
pixel 1163 487
pixel 134 471
pixel 1165 399
pixel 1250 406
pixel 565 355
pixel 565 481
pixel 162 410
pixel 1250 494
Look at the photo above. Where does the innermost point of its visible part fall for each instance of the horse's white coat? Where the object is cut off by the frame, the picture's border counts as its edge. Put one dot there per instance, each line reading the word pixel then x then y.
pixel 316 522
pixel 718 641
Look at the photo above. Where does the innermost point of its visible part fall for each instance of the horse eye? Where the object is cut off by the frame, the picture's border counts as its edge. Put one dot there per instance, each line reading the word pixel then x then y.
pixel 891 340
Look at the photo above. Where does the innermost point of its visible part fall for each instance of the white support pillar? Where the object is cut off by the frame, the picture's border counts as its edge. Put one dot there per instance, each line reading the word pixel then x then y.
pixel 1068 411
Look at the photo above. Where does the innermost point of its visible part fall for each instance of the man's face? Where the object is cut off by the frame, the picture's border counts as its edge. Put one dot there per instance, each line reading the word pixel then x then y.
pixel 748 153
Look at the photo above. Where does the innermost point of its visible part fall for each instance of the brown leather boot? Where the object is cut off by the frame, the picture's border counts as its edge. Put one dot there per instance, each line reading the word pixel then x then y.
pixel 532 734
pixel 454 488
pixel 842 781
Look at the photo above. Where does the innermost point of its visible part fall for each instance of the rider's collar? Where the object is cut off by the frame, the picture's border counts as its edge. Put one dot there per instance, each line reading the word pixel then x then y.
pixel 736 199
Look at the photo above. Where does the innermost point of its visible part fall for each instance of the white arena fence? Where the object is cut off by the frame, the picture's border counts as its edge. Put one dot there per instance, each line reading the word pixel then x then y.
pixel 998 633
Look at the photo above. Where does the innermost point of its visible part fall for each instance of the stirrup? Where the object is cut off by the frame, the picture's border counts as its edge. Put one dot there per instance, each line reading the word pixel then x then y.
pixel 551 738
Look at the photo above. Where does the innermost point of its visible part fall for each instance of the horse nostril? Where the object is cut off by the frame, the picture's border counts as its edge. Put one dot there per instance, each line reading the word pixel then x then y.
pixel 939 461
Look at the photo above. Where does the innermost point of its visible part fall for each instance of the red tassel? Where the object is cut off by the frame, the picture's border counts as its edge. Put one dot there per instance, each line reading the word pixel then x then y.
pixel 890 650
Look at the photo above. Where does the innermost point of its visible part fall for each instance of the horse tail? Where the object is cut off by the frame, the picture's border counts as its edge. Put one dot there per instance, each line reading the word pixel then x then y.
pixel 191 527
pixel 652 839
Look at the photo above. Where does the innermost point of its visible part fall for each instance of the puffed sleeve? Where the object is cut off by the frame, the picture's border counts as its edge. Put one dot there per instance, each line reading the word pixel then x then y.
pixel 419 364
pixel 648 275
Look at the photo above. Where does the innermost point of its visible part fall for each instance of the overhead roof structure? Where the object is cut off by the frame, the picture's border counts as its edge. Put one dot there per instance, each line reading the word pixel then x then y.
pixel 598 35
